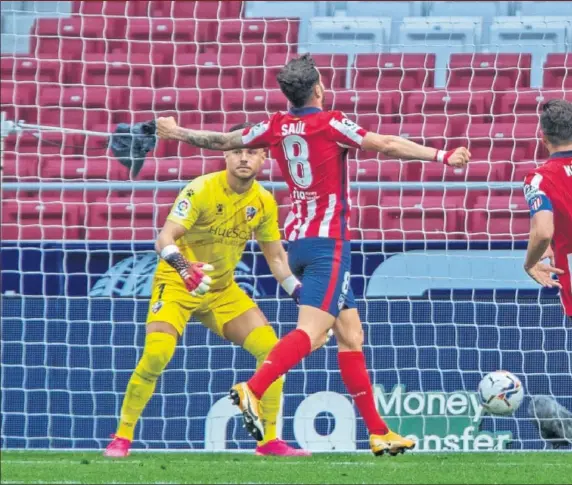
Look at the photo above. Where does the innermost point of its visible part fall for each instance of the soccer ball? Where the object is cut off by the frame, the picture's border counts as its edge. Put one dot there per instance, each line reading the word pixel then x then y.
pixel 501 392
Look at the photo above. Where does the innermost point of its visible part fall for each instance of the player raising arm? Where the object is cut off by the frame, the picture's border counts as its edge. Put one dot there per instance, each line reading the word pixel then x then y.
pixel 211 221
pixel 311 146
pixel 548 191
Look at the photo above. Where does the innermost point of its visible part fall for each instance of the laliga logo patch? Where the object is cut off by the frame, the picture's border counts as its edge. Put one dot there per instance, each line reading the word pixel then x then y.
pixel 182 208
pixel 157 306
pixel 250 213
pixel 341 301
pixel 350 124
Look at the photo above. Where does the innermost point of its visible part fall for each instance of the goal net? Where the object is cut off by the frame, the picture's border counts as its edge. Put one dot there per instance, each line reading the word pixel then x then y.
pixel 436 252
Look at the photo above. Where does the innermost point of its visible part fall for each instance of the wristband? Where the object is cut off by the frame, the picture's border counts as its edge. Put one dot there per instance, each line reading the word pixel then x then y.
pixel 440 156
pixel 290 284
pixel 169 251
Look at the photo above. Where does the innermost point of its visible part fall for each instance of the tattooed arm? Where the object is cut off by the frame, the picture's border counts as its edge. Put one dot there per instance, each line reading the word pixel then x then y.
pixel 167 129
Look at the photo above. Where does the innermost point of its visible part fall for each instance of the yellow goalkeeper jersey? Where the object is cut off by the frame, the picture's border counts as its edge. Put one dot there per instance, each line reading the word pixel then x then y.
pixel 219 222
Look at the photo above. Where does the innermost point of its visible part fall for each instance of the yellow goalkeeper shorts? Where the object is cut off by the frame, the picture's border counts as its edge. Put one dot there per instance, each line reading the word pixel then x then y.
pixel 172 303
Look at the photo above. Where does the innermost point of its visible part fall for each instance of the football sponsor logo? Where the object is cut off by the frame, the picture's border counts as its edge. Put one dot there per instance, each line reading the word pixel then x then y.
pixel 350 124
pixel 157 306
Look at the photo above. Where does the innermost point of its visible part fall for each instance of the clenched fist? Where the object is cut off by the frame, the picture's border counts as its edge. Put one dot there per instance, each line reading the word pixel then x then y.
pixel 166 128
pixel 459 157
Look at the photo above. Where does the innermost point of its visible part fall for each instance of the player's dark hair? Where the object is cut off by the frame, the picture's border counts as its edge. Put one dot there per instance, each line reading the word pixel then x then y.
pixel 240 126
pixel 297 80
pixel 556 121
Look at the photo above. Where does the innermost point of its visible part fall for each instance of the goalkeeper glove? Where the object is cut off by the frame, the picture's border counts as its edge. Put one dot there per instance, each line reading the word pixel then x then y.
pixel 293 287
pixel 192 274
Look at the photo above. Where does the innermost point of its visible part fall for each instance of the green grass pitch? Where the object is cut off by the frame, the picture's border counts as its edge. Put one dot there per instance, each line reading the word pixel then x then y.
pixel 70 467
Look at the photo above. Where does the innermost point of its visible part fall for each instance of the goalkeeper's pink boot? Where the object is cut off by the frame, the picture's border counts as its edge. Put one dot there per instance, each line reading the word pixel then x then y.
pixel 118 448
pixel 279 448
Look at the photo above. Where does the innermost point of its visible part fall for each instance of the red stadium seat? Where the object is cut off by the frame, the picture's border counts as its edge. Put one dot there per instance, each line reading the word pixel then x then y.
pixel 518 171
pixel 400 72
pixel 430 134
pixel 496 217
pixel 18 100
pixel 420 217
pixel 458 108
pixel 379 171
pixel 85 168
pixel 160 38
pixel 501 141
pixel 127 218
pixel 210 71
pixel 18 69
pixel 235 37
pixel 46 143
pixel 253 105
pixel 499 72
pixel 179 168
pixel 475 171
pixel 526 106
pixel 197 10
pixel 270 171
pixel 112 8
pixel 69 37
pixel 367 108
pixel 332 67
pixel 75 106
pixel 40 220
pixel 115 69
pixel 19 167
pixel 558 71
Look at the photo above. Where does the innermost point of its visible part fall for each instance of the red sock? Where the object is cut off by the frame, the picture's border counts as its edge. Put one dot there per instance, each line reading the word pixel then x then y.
pixel 356 379
pixel 288 352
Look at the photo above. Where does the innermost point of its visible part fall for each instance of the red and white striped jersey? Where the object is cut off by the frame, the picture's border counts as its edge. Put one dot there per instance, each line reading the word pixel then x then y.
pixel 310 146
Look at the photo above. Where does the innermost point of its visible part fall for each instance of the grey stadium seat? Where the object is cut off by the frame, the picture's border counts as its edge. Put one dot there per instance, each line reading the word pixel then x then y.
pixel 538 35
pixel 348 35
pixel 396 10
pixel 544 8
pixel 441 36
pixel 486 10
pixel 273 9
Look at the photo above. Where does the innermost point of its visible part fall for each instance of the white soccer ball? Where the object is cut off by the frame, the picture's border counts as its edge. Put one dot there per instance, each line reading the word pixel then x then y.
pixel 501 392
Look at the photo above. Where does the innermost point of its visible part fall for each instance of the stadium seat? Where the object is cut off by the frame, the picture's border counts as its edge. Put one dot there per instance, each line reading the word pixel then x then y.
pixel 253 106
pixel 85 168
pixel 475 171
pixel 538 36
pixel 420 217
pixel 367 108
pixel 400 72
pixel 332 67
pixel 457 108
pixel 347 35
pixel 74 106
pixel 558 71
pixel 270 171
pixel 430 134
pixel 184 169
pixel 543 8
pixel 495 217
pixel 261 37
pixel 115 69
pixel 208 71
pixel 496 72
pixel 47 143
pixel 37 71
pixel 19 167
pixel 198 10
pixel 112 8
pixel 378 171
pixel 69 38
pixel 39 220
pixel 518 171
pixel 501 141
pixel 441 36
pixel 18 100
pixel 526 106
pixel 127 218
pixel 160 38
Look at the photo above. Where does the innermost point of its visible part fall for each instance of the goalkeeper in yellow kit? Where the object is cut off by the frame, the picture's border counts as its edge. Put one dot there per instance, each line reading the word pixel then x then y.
pixel 206 232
